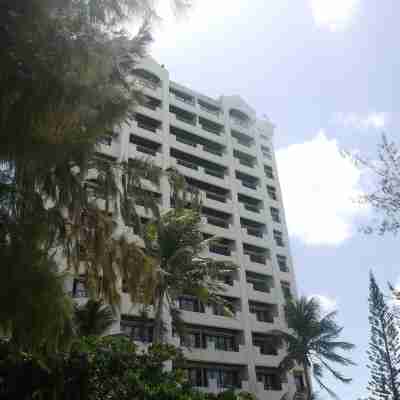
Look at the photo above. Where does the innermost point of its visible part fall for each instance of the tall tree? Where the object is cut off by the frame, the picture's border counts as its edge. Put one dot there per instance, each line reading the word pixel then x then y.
pixel 312 342
pixel 384 348
pixel 174 242
pixel 384 197
pixel 93 318
pixel 65 84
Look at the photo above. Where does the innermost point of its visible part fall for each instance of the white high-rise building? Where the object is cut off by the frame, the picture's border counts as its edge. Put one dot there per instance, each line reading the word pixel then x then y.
pixel 223 150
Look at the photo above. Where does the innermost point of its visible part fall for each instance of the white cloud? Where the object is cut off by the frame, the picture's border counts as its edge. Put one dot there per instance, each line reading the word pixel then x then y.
pixel 374 120
pixel 319 187
pixel 328 304
pixel 334 15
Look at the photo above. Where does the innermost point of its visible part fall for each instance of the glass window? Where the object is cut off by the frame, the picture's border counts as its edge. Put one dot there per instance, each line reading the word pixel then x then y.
pixel 272 192
pixel 275 214
pixel 282 263
pixel 278 236
pixel 268 171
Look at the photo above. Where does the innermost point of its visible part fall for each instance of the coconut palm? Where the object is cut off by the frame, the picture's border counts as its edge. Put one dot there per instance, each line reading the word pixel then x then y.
pixel 175 243
pixel 313 343
pixel 93 318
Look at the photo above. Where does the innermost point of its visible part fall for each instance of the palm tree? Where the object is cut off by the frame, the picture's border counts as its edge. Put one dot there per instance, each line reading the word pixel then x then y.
pixel 312 342
pixel 93 318
pixel 174 243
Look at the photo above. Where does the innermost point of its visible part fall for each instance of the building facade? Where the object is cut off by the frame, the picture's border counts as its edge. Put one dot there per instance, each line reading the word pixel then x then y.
pixel 227 154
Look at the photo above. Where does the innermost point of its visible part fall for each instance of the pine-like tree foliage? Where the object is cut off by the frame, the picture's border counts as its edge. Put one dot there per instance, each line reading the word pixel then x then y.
pixel 65 83
pixel 384 348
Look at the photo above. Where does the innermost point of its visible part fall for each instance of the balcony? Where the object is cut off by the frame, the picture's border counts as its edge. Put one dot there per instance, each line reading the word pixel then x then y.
pixel 217 221
pixel 181 97
pixel 220 249
pixel 110 148
pixel 212 127
pixel 256 257
pixel 148 82
pixel 192 170
pixel 184 116
pixel 209 110
pixel 138 151
pixel 188 145
pixel 262 315
pixel 217 377
pixel 249 188
pixel 214 355
pixel 187 164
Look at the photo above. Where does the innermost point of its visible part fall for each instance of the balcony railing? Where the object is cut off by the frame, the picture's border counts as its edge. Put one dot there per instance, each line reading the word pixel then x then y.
pixel 214 172
pixel 182 99
pixel 257 258
pixel 209 110
pixel 187 164
pixel 249 184
pixel 147 83
pixel 216 197
pixel 146 150
pixel 220 249
pixel 245 162
pixel 240 122
pixel 222 223
pixel 187 120
pixel 251 207
pixel 147 127
pixel 185 141
pixel 243 142
pixel 254 231
pixel 212 150
pixel 208 128
pixel 260 286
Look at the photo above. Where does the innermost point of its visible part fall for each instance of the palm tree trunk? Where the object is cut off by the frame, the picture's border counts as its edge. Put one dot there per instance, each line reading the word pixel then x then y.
pixel 308 383
pixel 158 321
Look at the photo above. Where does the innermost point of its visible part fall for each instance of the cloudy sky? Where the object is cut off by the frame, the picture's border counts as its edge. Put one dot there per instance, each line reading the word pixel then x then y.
pixel 324 72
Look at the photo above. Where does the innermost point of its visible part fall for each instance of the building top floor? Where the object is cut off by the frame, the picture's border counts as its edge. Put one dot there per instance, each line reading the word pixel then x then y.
pixel 233 108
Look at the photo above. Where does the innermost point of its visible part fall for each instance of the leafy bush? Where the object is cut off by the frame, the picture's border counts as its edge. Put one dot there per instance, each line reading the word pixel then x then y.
pixel 109 368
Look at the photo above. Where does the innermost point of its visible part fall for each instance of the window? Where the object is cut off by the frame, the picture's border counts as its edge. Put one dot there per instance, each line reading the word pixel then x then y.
pixel 299 382
pixel 225 343
pixel 191 304
pixel 195 377
pixel 272 192
pixel 275 214
pixel 261 283
pixel 139 330
pixel 286 290
pixel 269 173
pixel 223 378
pixel 222 309
pixel 191 339
pixel 263 312
pixel 267 344
pixel 270 378
pixel 79 287
pixel 282 263
pixel 278 238
pixel 266 152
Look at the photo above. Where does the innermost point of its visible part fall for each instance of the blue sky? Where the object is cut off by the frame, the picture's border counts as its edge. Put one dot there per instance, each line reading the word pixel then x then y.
pixel 325 73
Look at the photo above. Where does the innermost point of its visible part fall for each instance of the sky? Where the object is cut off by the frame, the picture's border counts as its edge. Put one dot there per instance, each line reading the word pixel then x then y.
pixel 324 72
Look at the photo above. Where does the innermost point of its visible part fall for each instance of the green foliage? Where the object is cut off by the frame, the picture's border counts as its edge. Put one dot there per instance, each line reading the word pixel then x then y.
pixel 384 348
pixel 34 310
pixel 312 342
pixel 64 84
pixel 384 198
pixel 175 242
pixel 93 318
pixel 101 368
